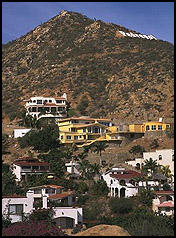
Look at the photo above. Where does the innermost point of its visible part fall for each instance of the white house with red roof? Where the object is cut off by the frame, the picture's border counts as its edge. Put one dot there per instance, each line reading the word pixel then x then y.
pixel 47 106
pixel 16 207
pixel 121 182
pixel 24 166
pixel 54 193
pixel 164 202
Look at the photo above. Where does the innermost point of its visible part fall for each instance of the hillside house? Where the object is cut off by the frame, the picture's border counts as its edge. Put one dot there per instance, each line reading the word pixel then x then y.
pixel 53 193
pixel 16 207
pixel 163 157
pixel 121 182
pixel 47 107
pixel 24 166
pixel 150 126
pixel 85 131
pixel 164 202
pixel 73 168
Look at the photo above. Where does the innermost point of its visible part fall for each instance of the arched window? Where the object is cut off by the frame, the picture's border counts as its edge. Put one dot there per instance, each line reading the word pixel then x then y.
pixel 147 128
pixel 138 166
pixel 111 181
pixel 116 192
pixel 160 157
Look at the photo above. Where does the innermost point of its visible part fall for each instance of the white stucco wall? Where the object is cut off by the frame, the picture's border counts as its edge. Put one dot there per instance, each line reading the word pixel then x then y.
pixel 27 203
pixel 75 213
pixel 17 171
pixel 20 132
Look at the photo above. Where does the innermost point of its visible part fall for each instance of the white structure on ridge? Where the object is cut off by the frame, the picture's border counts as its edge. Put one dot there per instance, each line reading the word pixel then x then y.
pixel 134 35
pixel 47 107
pixel 19 132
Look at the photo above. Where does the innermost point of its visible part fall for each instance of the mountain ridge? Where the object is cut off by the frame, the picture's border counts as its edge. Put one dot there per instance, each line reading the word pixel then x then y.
pixel 103 72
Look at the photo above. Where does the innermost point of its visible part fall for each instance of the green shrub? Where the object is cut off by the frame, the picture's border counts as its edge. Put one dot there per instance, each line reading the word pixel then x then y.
pixel 121 205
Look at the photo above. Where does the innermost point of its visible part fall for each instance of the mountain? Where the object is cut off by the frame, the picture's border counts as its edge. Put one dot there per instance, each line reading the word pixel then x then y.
pixel 104 73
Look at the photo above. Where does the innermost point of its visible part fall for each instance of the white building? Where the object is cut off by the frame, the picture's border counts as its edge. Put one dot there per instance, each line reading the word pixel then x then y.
pixel 53 193
pixel 73 168
pixel 24 166
pixel 16 207
pixel 164 202
pixel 20 132
pixel 121 182
pixel 47 107
pixel 163 157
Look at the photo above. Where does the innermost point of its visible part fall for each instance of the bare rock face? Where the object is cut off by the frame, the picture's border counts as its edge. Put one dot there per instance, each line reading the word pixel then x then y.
pixel 123 77
pixel 104 230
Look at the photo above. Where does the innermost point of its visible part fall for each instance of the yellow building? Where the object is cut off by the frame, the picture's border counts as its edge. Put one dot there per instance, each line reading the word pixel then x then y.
pixel 149 126
pixel 85 131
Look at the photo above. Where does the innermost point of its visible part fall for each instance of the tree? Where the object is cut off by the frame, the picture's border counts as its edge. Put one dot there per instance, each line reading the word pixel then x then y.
pixel 99 147
pixel 146 197
pixel 150 165
pixel 137 149
pixel 100 188
pixel 165 170
pixel 121 205
pixel 83 104
pixel 41 140
pixel 5 143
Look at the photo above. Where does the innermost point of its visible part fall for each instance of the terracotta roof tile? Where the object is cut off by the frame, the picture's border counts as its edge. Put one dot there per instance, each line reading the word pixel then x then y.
pixel 60 195
pixel 164 192
pixel 14 196
pixel 166 204
pixel 128 174
pixel 28 163
pixel 47 186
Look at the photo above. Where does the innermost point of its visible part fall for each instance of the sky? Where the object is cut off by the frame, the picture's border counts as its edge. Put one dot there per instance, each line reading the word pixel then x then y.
pixel 156 18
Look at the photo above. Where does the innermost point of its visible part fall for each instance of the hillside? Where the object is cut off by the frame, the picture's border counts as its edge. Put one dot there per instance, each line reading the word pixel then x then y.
pixel 104 73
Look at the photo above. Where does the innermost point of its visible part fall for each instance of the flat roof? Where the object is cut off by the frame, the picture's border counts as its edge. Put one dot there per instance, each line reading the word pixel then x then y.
pixel 85 119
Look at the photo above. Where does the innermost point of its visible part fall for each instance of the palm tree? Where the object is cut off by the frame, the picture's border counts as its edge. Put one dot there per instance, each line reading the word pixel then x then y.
pixel 151 165
pixel 84 168
pixel 166 171
pixel 99 147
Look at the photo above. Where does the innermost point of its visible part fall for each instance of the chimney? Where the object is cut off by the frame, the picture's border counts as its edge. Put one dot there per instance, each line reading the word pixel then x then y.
pixel 44 201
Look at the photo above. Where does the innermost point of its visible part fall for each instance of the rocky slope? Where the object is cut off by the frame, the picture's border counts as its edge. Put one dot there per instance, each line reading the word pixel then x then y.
pixel 104 73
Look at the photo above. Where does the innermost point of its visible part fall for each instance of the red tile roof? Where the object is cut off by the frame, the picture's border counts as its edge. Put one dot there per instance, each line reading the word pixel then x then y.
pixel 47 186
pixel 14 196
pixel 28 163
pixel 60 195
pixel 85 119
pixel 164 192
pixel 127 174
pixel 166 204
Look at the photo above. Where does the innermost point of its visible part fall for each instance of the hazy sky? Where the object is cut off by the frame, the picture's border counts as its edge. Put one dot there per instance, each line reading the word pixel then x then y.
pixel 155 18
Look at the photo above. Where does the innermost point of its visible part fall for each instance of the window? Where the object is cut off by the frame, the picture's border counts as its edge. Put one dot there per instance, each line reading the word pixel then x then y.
pixel 16 209
pixel 40 109
pixel 26 167
pixel 68 137
pixel 89 129
pixel 75 137
pixel 60 109
pixel 61 137
pixel 34 109
pixel 34 101
pixel 167 126
pixel 80 136
pixel 147 128
pixel 39 101
pixel 37 191
pixel 49 190
pixel 159 127
pixel 73 129
pixel 153 127
pixel 122 182
pixel 160 157
pixel 45 101
pixel 50 100
pixel 35 167
pixel 58 101
pixel 53 109
pixel 84 130
pixel 74 121
pixel 43 168
pixel 172 157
